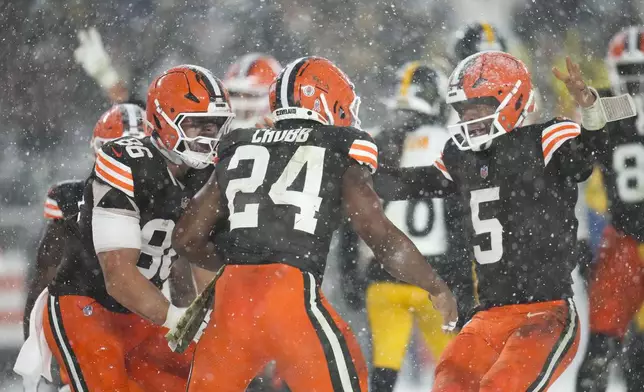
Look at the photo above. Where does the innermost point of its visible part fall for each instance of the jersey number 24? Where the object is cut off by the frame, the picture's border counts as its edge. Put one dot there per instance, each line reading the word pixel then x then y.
pixel 307 200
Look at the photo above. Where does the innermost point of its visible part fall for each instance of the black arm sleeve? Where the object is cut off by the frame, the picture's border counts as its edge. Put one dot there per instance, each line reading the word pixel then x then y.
pixel 575 158
pixel 352 283
pixel 459 276
pixel 412 183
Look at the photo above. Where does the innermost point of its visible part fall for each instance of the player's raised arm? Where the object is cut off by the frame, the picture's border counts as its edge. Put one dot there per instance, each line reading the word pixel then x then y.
pixel 569 149
pixel 391 247
pixel 191 237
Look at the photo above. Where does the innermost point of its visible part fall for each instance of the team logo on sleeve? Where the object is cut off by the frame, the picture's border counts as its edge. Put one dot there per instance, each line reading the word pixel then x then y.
pixel 484 171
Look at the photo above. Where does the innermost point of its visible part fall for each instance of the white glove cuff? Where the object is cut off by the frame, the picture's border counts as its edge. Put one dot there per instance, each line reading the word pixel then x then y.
pixel 108 78
pixel 173 316
pixel 593 117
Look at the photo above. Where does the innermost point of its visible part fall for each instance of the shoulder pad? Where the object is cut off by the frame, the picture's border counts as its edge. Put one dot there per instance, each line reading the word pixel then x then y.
pixel 362 148
pixel 52 209
pixel 62 197
pixel 554 133
pixel 113 166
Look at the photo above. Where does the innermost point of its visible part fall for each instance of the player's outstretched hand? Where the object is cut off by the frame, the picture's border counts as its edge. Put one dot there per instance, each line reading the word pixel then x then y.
pixel 93 57
pixel 575 84
pixel 445 303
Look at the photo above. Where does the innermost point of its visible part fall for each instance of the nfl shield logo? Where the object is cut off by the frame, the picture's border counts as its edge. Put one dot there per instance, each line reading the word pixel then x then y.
pixel 484 171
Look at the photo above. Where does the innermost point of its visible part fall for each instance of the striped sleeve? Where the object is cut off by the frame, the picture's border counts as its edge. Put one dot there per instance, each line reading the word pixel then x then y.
pixel 440 165
pixel 555 136
pixel 52 210
pixel 114 173
pixel 365 153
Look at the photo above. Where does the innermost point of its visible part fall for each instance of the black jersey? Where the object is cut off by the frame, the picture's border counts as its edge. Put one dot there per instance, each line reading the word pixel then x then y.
pixel 283 189
pixel 130 178
pixel 623 169
pixel 63 199
pixel 521 195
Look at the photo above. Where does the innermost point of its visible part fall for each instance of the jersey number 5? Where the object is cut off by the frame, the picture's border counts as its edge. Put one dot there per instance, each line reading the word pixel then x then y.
pixel 308 200
pixel 482 226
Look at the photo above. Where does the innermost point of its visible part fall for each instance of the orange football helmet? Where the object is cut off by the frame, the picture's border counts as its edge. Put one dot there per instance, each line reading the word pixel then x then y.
pixel 120 120
pixel 247 81
pixel 189 110
pixel 493 78
pixel 625 61
pixel 313 88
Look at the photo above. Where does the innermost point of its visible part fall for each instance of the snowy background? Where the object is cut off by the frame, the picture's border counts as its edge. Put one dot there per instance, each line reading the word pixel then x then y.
pixel 49 105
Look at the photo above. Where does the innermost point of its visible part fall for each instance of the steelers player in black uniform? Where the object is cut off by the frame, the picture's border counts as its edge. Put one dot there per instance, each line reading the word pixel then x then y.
pixel 520 184
pixel 63 199
pixel 414 136
pixel 476 37
pixel 616 288
pixel 106 316
pixel 282 191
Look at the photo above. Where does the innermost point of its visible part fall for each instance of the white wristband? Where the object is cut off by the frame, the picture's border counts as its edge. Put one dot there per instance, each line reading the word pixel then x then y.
pixel 173 316
pixel 593 117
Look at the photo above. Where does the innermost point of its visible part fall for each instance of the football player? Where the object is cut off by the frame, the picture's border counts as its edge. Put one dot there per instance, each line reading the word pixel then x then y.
pixel 283 191
pixel 61 205
pixel 474 38
pixel 247 81
pixel 478 37
pixel 520 184
pixel 616 288
pixel 63 199
pixel 415 136
pixel 106 317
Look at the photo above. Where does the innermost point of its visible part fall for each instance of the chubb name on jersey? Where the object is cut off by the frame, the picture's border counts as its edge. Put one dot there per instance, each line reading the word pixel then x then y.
pixel 298 135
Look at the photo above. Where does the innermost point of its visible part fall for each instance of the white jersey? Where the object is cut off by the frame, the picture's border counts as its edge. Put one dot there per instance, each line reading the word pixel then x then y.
pixel 423 221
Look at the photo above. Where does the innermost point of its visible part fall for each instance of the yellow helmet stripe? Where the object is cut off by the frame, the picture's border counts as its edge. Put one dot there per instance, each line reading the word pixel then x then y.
pixel 407 77
pixel 488 31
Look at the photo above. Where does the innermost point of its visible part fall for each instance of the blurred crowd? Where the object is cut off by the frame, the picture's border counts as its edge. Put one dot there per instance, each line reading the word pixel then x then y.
pixel 49 103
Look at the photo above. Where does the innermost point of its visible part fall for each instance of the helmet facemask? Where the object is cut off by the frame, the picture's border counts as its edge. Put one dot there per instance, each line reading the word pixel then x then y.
pixel 477 134
pixel 199 133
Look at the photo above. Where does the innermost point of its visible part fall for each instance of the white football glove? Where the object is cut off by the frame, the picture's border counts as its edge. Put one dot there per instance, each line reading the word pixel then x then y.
pixel 91 55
